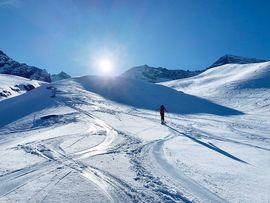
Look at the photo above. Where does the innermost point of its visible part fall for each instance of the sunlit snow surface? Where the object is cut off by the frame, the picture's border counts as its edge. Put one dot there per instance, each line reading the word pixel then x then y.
pixel 11 85
pixel 100 140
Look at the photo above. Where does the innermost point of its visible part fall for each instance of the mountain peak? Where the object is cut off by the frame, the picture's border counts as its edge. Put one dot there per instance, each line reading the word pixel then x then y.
pixel 154 75
pixel 232 59
pixel 60 76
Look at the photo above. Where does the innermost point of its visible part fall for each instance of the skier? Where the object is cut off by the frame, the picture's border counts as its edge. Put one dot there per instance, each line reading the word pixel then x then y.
pixel 162 110
pixel 53 91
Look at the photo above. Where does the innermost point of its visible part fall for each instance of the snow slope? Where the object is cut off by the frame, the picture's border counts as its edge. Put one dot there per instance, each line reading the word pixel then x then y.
pixel 11 86
pixel 100 140
pixel 245 87
pixel 145 95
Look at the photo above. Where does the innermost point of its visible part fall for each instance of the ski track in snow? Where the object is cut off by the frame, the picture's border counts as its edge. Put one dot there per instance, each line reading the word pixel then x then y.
pixel 17 179
pixel 157 179
pixel 187 183
pixel 154 149
pixel 114 188
pixel 200 192
pixel 41 195
pixel 20 178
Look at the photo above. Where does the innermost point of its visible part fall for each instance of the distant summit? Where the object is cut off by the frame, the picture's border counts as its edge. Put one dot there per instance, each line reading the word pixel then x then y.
pixel 60 76
pixel 231 59
pixel 12 67
pixel 155 75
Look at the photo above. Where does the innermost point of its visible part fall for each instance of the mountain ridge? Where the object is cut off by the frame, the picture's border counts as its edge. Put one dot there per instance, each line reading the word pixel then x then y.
pixel 12 67
pixel 234 59
pixel 154 75
pixel 144 72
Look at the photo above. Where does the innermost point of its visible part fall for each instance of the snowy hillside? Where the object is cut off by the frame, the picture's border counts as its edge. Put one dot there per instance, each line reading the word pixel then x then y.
pixel 245 87
pixel 231 59
pixel 11 85
pixel 154 75
pixel 100 140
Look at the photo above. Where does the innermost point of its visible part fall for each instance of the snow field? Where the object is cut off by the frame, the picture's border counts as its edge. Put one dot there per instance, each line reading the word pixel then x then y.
pixel 94 143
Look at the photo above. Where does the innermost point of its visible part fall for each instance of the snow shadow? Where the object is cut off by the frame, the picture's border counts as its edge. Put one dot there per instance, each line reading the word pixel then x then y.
pixel 209 146
pixel 141 94
pixel 18 107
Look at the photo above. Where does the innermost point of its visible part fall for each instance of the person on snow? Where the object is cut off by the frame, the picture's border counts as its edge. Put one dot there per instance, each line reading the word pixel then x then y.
pixel 162 110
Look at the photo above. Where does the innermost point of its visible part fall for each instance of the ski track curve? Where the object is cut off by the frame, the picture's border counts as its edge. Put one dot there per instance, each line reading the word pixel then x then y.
pixel 197 190
pixel 114 188
pixel 152 188
pixel 101 178
pixel 155 149
pixel 102 147
pixel 112 191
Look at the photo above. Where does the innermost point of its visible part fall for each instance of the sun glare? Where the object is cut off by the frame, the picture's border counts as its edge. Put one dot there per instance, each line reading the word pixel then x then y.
pixel 105 65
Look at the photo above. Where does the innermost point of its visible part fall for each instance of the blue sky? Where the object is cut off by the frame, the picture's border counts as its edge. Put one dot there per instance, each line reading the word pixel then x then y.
pixel 176 34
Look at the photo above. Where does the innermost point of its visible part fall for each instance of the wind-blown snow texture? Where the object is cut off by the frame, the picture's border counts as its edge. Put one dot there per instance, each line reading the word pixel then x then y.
pixel 11 86
pixel 100 140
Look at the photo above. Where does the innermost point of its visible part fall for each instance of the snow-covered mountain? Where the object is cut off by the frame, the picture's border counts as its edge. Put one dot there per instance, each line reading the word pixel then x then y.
pixel 230 84
pixel 232 59
pixel 12 67
pixel 60 76
pixel 103 136
pixel 11 85
pixel 154 75
pixel 18 78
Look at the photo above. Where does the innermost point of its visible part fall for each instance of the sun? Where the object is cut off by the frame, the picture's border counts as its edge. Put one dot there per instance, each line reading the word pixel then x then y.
pixel 105 65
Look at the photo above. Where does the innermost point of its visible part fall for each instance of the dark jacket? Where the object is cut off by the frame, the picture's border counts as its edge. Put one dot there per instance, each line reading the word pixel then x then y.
pixel 162 110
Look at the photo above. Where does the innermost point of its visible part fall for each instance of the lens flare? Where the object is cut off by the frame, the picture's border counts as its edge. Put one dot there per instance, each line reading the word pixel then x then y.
pixel 105 65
